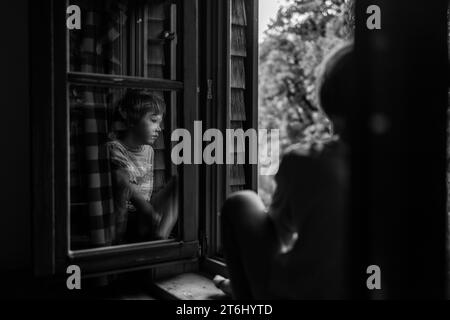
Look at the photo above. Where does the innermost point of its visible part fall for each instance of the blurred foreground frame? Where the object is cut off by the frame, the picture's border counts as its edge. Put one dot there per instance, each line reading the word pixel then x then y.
pixel 399 183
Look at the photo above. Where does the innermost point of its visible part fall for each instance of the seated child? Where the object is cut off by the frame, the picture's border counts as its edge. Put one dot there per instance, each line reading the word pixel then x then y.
pixel 131 157
pixel 296 248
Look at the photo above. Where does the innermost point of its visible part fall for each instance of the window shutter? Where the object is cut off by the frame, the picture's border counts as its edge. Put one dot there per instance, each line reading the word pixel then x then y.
pixel 238 89
pixel 242 51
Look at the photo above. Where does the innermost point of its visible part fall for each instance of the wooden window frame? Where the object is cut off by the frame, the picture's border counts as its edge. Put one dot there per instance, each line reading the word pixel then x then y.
pixel 50 150
pixel 217 103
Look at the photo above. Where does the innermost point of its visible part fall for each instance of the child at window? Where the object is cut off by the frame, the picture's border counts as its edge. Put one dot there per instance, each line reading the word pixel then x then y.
pixel 131 156
pixel 296 248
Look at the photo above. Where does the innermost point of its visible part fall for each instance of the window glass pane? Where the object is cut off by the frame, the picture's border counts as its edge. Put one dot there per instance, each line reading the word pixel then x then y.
pixel 119 158
pixel 125 37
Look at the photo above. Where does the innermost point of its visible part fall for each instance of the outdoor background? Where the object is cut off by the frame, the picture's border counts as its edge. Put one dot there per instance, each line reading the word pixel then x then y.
pixel 295 36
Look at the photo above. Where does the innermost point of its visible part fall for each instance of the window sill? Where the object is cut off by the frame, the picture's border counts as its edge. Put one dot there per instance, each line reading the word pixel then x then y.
pixel 113 259
pixel 188 286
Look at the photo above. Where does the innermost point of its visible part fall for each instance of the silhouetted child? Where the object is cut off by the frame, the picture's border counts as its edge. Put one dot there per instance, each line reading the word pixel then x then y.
pixel 296 248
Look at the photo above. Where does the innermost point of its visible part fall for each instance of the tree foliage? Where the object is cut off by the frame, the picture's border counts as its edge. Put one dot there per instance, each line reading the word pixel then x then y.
pixel 301 35
pixel 298 39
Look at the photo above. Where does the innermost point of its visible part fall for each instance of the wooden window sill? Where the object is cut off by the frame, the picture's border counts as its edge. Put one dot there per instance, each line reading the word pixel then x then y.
pixel 188 286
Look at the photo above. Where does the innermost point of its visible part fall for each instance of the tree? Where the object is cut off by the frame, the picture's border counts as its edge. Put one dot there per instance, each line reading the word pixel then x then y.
pixel 301 35
pixel 298 39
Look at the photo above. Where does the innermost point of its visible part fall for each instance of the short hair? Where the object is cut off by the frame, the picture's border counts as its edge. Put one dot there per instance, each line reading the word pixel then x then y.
pixel 136 104
pixel 335 85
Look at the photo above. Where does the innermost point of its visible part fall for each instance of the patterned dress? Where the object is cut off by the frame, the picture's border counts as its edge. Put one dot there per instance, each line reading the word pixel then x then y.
pixel 138 164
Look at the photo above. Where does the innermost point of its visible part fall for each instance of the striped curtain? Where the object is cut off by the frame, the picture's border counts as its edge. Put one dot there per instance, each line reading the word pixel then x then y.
pixel 121 37
pixel 97 48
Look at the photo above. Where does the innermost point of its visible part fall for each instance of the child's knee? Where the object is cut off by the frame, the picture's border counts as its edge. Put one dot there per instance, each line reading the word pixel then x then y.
pixel 240 202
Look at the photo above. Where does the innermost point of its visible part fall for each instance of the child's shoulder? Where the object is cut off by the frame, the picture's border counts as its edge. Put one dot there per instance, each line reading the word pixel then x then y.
pixel 116 146
pixel 149 149
pixel 118 153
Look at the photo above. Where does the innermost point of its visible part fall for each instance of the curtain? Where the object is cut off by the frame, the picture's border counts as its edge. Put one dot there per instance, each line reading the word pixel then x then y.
pixel 97 48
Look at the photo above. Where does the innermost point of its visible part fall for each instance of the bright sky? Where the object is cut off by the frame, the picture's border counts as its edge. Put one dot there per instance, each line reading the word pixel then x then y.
pixel 267 10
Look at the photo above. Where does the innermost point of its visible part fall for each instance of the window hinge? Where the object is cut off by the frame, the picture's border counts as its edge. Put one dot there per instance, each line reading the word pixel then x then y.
pixel 209 95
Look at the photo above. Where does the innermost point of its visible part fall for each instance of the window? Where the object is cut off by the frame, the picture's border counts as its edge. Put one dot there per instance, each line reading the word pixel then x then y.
pixel 81 77
pixel 136 45
pixel 136 39
pixel 233 67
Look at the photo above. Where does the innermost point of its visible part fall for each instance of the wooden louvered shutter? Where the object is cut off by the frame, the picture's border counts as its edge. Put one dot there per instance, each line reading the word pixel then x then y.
pixel 242 51
pixel 232 102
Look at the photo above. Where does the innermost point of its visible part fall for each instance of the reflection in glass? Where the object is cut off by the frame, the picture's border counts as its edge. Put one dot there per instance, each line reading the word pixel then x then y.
pixel 121 189
pixel 125 37
pixel 121 185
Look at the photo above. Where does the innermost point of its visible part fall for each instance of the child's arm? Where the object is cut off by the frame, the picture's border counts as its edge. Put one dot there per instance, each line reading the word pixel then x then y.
pixel 123 183
pixel 141 204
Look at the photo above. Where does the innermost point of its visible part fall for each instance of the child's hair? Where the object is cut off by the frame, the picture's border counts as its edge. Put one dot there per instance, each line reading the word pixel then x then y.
pixel 335 81
pixel 135 104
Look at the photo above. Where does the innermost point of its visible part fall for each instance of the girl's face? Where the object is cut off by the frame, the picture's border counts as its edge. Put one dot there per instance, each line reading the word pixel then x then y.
pixel 148 128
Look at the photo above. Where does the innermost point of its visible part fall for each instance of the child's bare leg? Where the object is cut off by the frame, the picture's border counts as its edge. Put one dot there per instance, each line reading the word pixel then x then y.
pixel 249 243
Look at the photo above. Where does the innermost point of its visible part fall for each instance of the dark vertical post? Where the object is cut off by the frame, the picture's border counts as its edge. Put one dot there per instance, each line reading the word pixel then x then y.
pixel 402 77
pixel 61 135
pixel 41 46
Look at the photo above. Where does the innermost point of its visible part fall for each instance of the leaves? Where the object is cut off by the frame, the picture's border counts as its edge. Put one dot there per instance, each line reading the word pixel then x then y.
pixel 302 34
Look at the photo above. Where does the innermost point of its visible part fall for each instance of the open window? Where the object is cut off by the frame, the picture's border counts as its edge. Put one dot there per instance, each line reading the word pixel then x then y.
pixel 137 40
pixel 232 81
pixel 79 81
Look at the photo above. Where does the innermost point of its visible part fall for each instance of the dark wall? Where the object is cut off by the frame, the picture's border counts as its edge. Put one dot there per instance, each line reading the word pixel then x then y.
pixel 15 219
pixel 403 81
